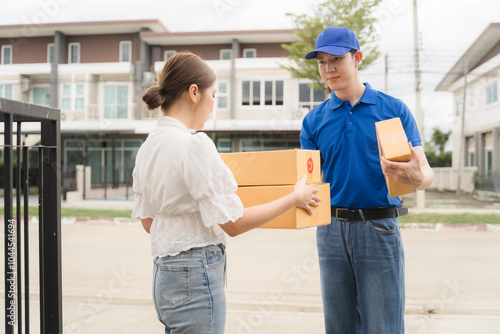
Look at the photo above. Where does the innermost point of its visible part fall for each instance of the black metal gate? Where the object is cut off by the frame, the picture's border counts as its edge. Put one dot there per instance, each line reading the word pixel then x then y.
pixel 16 225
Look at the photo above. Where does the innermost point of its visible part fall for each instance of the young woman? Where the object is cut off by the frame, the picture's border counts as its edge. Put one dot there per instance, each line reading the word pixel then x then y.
pixel 185 197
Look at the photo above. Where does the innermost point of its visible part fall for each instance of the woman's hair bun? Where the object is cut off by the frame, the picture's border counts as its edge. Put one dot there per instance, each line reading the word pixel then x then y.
pixel 153 97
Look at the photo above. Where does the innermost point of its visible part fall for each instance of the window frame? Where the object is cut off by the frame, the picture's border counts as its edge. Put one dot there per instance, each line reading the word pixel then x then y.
pixel 122 43
pixel 262 94
pixel 49 47
pixel 250 49
pixel 116 84
pixel 2 90
pixel 311 104
pixel 44 86
pixel 230 51
pixel 174 52
pixel 73 96
pixel 5 47
pixel 492 93
pixel 223 148
pixel 78 54
pixel 219 94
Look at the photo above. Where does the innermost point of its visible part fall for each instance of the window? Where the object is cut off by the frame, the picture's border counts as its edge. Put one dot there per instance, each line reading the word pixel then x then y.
pixel 271 91
pixel 226 54
pixel 125 51
pixel 459 106
pixel 249 53
pixel 51 53
pixel 492 93
pixel 116 101
pixel 66 98
pixel 488 164
pixel 224 145
pixel 470 159
pixel 41 95
pixel 74 53
pixel 169 54
pixel 310 97
pixel 222 95
pixel 6 91
pixel 79 97
pixel 100 158
pixel 6 54
pixel 73 97
pixel 259 144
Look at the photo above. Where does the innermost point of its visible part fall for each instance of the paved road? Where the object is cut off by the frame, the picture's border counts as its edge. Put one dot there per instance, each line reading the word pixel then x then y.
pixel 452 281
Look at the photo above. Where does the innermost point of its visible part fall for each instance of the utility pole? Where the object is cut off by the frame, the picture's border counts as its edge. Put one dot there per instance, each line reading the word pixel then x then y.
pixel 386 75
pixel 461 140
pixel 418 111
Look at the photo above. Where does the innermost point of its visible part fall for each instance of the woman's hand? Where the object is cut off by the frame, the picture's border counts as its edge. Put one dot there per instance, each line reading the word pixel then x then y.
pixel 306 195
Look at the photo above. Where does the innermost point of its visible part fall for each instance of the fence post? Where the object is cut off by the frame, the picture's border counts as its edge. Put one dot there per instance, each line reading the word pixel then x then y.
pixel 50 223
pixel 9 231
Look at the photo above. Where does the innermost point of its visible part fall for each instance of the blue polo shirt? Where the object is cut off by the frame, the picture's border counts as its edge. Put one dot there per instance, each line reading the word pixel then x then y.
pixel 347 140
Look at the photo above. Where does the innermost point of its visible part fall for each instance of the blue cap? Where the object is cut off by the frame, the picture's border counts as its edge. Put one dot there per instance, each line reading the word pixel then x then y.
pixel 336 41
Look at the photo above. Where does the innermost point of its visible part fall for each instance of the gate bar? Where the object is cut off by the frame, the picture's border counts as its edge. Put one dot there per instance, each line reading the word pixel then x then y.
pixel 10 259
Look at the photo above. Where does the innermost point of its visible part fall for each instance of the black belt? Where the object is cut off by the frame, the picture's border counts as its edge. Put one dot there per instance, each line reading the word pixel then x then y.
pixel 368 214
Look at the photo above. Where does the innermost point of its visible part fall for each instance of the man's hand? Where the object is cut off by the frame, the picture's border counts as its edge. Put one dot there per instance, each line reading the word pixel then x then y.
pixel 415 172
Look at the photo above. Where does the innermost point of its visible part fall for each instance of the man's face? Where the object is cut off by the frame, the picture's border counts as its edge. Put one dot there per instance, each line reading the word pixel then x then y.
pixel 337 71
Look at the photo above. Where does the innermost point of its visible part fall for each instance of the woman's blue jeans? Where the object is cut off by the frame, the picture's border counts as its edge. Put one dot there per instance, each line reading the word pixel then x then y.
pixel 362 276
pixel 188 291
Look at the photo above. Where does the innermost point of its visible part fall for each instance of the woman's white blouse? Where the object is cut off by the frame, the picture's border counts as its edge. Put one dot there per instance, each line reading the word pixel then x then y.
pixel 182 183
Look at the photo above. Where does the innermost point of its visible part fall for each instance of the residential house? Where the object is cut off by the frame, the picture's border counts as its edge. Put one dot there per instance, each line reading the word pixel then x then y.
pixel 95 72
pixel 474 81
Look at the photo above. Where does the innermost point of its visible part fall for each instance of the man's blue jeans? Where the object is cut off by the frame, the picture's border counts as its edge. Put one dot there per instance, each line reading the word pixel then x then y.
pixel 362 276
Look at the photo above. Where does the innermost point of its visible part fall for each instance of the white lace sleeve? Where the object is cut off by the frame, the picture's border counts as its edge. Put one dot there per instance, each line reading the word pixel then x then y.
pixel 140 208
pixel 221 209
pixel 210 182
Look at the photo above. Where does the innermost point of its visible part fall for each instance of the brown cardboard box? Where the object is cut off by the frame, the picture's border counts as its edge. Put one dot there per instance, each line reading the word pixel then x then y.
pixel 274 167
pixel 294 218
pixel 393 145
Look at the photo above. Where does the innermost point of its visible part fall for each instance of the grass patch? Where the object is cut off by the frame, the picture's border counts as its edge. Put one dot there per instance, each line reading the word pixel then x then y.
pixel 452 219
pixel 81 212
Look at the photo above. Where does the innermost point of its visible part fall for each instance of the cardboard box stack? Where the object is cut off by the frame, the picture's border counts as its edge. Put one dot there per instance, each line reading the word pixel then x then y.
pixel 393 145
pixel 268 175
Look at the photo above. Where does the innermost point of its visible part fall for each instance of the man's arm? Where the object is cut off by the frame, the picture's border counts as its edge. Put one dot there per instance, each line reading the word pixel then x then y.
pixel 415 172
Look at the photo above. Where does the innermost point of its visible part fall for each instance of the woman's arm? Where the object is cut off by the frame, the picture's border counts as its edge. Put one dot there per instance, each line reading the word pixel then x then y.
pixel 303 196
pixel 146 224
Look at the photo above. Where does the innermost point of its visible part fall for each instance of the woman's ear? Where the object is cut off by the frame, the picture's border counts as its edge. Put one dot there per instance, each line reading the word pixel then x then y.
pixel 194 93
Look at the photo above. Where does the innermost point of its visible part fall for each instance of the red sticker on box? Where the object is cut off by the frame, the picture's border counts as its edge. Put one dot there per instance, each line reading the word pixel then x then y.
pixel 310 165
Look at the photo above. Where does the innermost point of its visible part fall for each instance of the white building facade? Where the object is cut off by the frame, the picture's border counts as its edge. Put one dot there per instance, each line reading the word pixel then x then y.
pixel 478 91
pixel 95 72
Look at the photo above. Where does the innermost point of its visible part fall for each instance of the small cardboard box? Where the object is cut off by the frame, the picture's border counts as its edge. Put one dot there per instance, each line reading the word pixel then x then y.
pixel 393 145
pixel 295 218
pixel 274 167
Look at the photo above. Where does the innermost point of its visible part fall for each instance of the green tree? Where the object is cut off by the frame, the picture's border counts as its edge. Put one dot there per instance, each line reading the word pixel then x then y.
pixel 356 15
pixel 434 150
pixel 440 138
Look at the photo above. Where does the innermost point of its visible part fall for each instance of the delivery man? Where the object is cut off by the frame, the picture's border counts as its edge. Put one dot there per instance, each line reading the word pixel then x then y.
pixel 361 252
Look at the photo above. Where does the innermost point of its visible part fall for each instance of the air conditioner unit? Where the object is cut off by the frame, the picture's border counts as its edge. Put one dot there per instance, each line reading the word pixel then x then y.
pixel 148 77
pixel 25 85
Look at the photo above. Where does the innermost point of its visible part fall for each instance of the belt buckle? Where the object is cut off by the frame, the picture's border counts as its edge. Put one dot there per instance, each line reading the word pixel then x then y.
pixel 337 210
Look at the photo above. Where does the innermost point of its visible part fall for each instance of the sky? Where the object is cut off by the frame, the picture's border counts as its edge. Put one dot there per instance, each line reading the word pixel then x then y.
pixel 447 28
